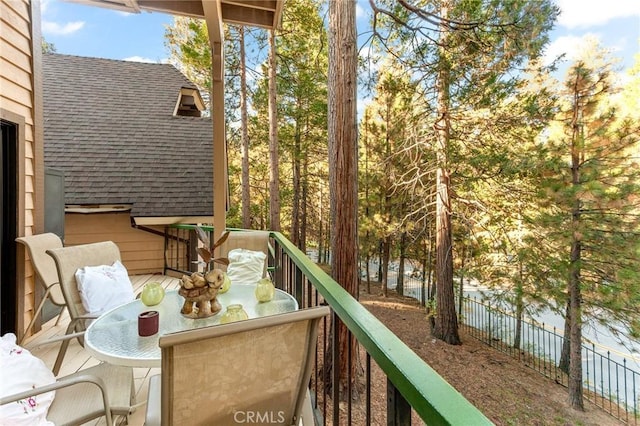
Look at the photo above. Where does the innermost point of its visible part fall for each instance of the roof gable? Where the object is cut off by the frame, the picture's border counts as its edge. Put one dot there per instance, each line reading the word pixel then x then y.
pixel 109 126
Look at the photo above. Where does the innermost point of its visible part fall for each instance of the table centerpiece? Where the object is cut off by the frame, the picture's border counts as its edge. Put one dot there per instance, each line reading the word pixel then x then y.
pixel 200 289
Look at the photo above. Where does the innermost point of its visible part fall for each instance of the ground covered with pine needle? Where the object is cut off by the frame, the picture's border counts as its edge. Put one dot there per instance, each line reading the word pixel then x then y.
pixel 503 388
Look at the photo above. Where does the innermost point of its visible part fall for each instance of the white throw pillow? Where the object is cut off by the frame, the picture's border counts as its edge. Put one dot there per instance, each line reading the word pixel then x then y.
pixel 245 266
pixel 104 287
pixel 22 371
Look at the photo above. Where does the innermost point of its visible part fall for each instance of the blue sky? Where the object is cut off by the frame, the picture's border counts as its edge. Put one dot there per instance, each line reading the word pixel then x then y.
pixel 81 30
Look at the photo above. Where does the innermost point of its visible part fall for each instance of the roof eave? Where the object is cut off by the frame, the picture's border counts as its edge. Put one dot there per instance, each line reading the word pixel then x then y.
pixel 256 13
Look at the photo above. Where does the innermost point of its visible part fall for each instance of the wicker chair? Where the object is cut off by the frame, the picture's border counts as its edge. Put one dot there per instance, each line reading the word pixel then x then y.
pixel 259 367
pixel 46 273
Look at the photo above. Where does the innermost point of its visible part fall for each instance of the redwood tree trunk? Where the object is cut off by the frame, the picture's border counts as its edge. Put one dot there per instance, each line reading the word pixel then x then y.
pixel 517 339
pixel 575 360
pixel 401 267
pixel 246 191
pixel 297 185
pixel 565 355
pixel 305 206
pixel 274 175
pixel 386 255
pixel 343 164
pixel 446 321
pixel 575 364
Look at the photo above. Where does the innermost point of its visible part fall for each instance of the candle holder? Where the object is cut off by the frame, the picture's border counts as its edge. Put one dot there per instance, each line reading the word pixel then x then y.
pixel 148 323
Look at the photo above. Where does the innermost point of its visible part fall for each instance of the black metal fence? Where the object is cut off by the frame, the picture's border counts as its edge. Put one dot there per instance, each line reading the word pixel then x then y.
pixel 609 382
pixel 180 243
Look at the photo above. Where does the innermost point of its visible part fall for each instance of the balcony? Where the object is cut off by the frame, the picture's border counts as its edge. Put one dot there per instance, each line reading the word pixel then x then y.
pixel 387 381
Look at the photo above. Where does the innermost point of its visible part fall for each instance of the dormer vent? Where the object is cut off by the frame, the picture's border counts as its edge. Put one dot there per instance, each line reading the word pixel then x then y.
pixel 190 103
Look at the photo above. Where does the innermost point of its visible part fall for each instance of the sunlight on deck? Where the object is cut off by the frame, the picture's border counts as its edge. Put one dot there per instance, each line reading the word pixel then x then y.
pixel 77 358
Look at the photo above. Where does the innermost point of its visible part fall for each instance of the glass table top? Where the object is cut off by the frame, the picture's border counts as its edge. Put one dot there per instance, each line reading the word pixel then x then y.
pixel 113 337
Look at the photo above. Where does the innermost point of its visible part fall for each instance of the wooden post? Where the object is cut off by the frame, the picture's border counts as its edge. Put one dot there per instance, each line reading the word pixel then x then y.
pixel 213 16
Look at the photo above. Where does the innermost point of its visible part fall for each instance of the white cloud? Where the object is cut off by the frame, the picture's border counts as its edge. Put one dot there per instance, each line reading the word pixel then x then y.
pixel 574 47
pixel 360 13
pixel 562 45
pixel 44 4
pixel 584 13
pixel 145 60
pixel 55 28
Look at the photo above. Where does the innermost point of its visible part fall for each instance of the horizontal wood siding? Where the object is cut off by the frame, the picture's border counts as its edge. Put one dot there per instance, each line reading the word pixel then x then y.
pixel 142 252
pixel 20 97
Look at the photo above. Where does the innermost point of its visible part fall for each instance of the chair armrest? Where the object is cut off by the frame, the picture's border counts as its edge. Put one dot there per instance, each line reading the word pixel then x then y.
pixel 62 383
pixel 80 319
pixel 154 401
pixel 61 338
pixel 86 316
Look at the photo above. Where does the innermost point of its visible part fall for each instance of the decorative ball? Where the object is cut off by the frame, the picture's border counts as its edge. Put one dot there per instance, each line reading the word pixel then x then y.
pixel 152 294
pixel 265 290
pixel 226 284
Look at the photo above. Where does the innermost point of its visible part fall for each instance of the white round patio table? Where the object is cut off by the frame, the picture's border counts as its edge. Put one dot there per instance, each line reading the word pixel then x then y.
pixel 113 337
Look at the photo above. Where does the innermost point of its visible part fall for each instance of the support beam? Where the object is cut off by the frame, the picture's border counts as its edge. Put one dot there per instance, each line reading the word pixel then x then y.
pixel 213 17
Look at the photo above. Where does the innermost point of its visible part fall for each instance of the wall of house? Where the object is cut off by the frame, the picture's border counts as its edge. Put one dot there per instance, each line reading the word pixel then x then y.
pixel 142 252
pixel 21 102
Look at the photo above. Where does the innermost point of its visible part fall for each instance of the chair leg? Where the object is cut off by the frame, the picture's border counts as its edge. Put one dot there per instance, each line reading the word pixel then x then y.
pixel 60 316
pixel 35 316
pixel 63 350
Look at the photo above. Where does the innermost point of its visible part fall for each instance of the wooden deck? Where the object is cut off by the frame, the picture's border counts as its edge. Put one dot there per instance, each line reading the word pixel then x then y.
pixel 77 358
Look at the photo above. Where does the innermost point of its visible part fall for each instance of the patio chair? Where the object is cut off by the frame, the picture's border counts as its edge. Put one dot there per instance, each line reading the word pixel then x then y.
pixel 258 368
pixel 102 390
pixel 68 260
pixel 249 240
pixel 46 274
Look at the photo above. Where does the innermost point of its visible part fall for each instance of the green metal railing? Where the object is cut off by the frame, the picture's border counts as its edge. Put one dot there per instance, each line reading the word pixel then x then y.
pixel 411 384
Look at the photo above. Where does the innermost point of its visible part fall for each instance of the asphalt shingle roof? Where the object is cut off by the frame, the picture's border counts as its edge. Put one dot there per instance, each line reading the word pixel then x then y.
pixel 109 126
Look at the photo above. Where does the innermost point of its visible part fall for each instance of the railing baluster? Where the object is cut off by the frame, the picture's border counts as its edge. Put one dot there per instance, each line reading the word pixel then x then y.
pixel 586 349
pixel 618 390
pixel 489 325
pixel 349 396
pixel 325 391
pixel 548 354
pixel 335 368
pixel 368 389
pixel 635 401
pixel 298 286
pixel 595 380
pixel 626 393
pixel 609 377
pixel 602 379
pixel 398 410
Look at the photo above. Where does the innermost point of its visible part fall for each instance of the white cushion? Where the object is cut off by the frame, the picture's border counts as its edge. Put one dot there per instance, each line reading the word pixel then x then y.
pixel 22 371
pixel 245 266
pixel 104 287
